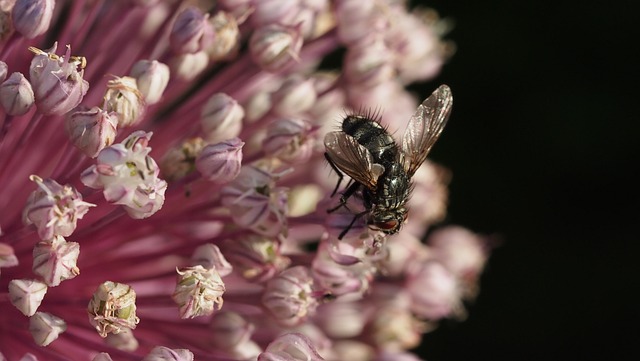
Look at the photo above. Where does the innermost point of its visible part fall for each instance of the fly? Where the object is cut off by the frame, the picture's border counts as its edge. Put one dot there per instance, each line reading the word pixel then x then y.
pixel 380 169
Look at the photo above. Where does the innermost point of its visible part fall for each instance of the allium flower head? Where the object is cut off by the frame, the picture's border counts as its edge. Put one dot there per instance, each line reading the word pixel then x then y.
pixel 177 209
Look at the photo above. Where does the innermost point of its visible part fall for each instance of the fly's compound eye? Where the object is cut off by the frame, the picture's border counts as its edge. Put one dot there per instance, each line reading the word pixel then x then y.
pixel 390 226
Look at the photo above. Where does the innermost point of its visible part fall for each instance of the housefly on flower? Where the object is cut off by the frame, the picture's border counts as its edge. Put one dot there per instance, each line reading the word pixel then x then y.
pixel 380 169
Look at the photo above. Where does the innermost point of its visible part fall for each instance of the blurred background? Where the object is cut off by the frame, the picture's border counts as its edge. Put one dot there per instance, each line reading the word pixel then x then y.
pixel 543 146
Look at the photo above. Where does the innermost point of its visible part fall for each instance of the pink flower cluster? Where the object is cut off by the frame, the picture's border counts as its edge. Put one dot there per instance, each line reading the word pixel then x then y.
pixel 164 194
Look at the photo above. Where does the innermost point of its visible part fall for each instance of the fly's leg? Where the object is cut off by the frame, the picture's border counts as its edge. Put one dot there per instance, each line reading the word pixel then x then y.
pixel 335 169
pixel 353 188
pixel 355 218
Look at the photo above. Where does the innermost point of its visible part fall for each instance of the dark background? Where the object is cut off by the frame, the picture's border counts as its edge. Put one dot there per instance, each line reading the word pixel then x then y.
pixel 543 145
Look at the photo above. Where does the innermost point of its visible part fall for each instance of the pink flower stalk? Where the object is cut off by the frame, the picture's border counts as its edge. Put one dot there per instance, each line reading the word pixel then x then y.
pixel 177 208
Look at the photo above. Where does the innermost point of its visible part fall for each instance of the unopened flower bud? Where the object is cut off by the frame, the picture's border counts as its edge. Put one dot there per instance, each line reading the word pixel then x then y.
pixel 191 31
pixel 227 36
pixel 459 250
pixel 113 308
pixel 258 106
pixel 221 118
pixel 198 291
pixel 180 161
pixel 45 328
pixel 256 258
pixel 368 65
pixel 289 140
pixel 124 98
pixel 161 353
pixel 434 291
pixel 92 130
pixel 290 347
pixel 16 95
pixel 220 163
pixel 57 80
pixel 4 69
pixel 124 341
pixel 102 356
pixel 237 8
pixel 295 96
pixel 268 12
pixel 187 67
pixel 256 203
pixel 210 257
pixel 7 256
pixel 341 320
pixel 54 209
pixel 32 17
pixel 230 330
pixel 27 295
pixel 289 296
pixel 6 25
pixel 152 78
pixel 275 46
pixel 55 260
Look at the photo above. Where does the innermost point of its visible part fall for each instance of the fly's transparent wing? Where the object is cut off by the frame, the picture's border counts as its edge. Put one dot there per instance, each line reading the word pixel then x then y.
pixel 425 127
pixel 352 158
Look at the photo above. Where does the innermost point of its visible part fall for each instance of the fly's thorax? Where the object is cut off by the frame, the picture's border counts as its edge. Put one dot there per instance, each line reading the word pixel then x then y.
pixel 393 188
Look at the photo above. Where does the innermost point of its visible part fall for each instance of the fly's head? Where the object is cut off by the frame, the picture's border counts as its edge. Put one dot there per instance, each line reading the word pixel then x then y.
pixel 387 220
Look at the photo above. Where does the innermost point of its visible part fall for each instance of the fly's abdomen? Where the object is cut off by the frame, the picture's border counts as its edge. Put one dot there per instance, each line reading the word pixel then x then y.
pixel 371 135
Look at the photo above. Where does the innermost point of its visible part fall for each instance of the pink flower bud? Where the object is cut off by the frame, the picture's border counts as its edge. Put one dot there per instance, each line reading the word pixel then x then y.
pixel 7 256
pixel 152 78
pixel 368 64
pixel 4 70
pixel 238 8
pixel 32 17
pixel 57 83
pixel 230 330
pixel 161 353
pixel 460 251
pixel 357 20
pixel 256 258
pixel 274 46
pixel 290 140
pixel 27 295
pixel 210 257
pixel 124 341
pixel 295 96
pixel 54 209
pixel 180 160
pixel 290 296
pixel 221 118
pixel 227 36
pixel 290 347
pixel 191 31
pixel 341 319
pixel 255 203
pixel 124 98
pixel 434 291
pixel 16 95
pixel 220 163
pixel 187 67
pixel 102 356
pixel 267 12
pixel 55 261
pixel 45 328
pixel 92 130
pixel 340 279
